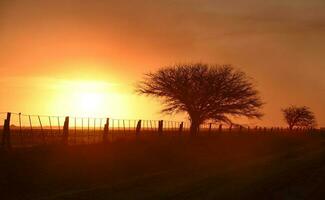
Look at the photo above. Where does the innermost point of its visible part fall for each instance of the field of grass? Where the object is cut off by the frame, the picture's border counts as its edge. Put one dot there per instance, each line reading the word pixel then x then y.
pixel 179 167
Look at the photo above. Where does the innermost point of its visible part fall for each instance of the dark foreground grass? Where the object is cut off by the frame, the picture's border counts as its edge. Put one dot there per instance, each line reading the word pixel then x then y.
pixel 215 167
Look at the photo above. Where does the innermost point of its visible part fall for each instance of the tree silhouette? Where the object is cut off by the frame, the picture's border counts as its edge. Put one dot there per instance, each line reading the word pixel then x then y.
pixel 301 117
pixel 204 92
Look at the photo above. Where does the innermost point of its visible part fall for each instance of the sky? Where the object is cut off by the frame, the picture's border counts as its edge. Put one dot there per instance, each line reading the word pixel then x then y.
pixel 83 57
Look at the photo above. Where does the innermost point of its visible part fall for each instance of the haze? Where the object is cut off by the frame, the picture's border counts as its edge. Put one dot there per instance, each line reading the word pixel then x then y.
pixel 81 57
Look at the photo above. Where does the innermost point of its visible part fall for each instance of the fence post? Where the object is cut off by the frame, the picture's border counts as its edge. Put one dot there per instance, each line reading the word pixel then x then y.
pixel 42 132
pixel 220 128
pixel 160 127
pixel 59 125
pixel 20 131
pixel 30 124
pixel 138 129
pixel 181 126
pixel 94 126
pixel 210 128
pixel 123 126
pixel 6 142
pixel 50 125
pixel 106 128
pixel 66 130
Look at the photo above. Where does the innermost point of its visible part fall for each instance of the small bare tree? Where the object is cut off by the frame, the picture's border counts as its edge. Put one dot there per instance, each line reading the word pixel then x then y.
pixel 301 117
pixel 204 92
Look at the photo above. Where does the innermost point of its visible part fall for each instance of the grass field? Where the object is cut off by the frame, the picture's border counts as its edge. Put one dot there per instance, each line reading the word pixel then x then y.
pixel 179 167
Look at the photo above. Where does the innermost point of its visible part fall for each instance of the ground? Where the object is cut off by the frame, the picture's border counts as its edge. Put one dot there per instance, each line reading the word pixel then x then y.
pixel 178 167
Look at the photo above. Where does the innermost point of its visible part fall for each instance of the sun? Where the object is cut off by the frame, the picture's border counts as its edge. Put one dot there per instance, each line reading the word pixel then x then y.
pixel 95 99
pixel 90 102
pixel 82 98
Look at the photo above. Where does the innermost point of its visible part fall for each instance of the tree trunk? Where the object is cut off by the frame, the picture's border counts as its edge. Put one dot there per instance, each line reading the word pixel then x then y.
pixel 195 125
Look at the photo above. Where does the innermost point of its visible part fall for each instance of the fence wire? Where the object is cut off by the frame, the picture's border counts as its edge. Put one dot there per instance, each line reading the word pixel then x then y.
pixel 31 130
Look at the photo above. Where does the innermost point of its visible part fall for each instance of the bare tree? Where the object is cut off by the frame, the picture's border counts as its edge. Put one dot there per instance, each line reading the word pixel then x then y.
pixel 301 117
pixel 204 92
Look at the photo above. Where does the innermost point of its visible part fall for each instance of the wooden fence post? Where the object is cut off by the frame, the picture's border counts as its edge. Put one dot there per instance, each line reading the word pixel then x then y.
pixel 42 132
pixel 138 129
pixel 6 140
pixel 59 125
pixel 30 124
pixel 50 125
pixel 181 126
pixel 160 127
pixel 106 129
pixel 210 128
pixel 20 130
pixel 220 128
pixel 66 130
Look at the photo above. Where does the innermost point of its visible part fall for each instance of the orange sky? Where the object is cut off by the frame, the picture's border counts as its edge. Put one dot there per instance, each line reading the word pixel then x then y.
pixel 82 57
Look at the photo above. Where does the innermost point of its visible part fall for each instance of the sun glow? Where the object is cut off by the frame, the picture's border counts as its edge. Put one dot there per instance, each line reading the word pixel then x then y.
pixel 92 97
pixel 89 98
pixel 90 102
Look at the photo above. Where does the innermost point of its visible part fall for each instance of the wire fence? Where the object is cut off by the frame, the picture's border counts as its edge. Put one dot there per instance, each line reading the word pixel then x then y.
pixel 32 130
